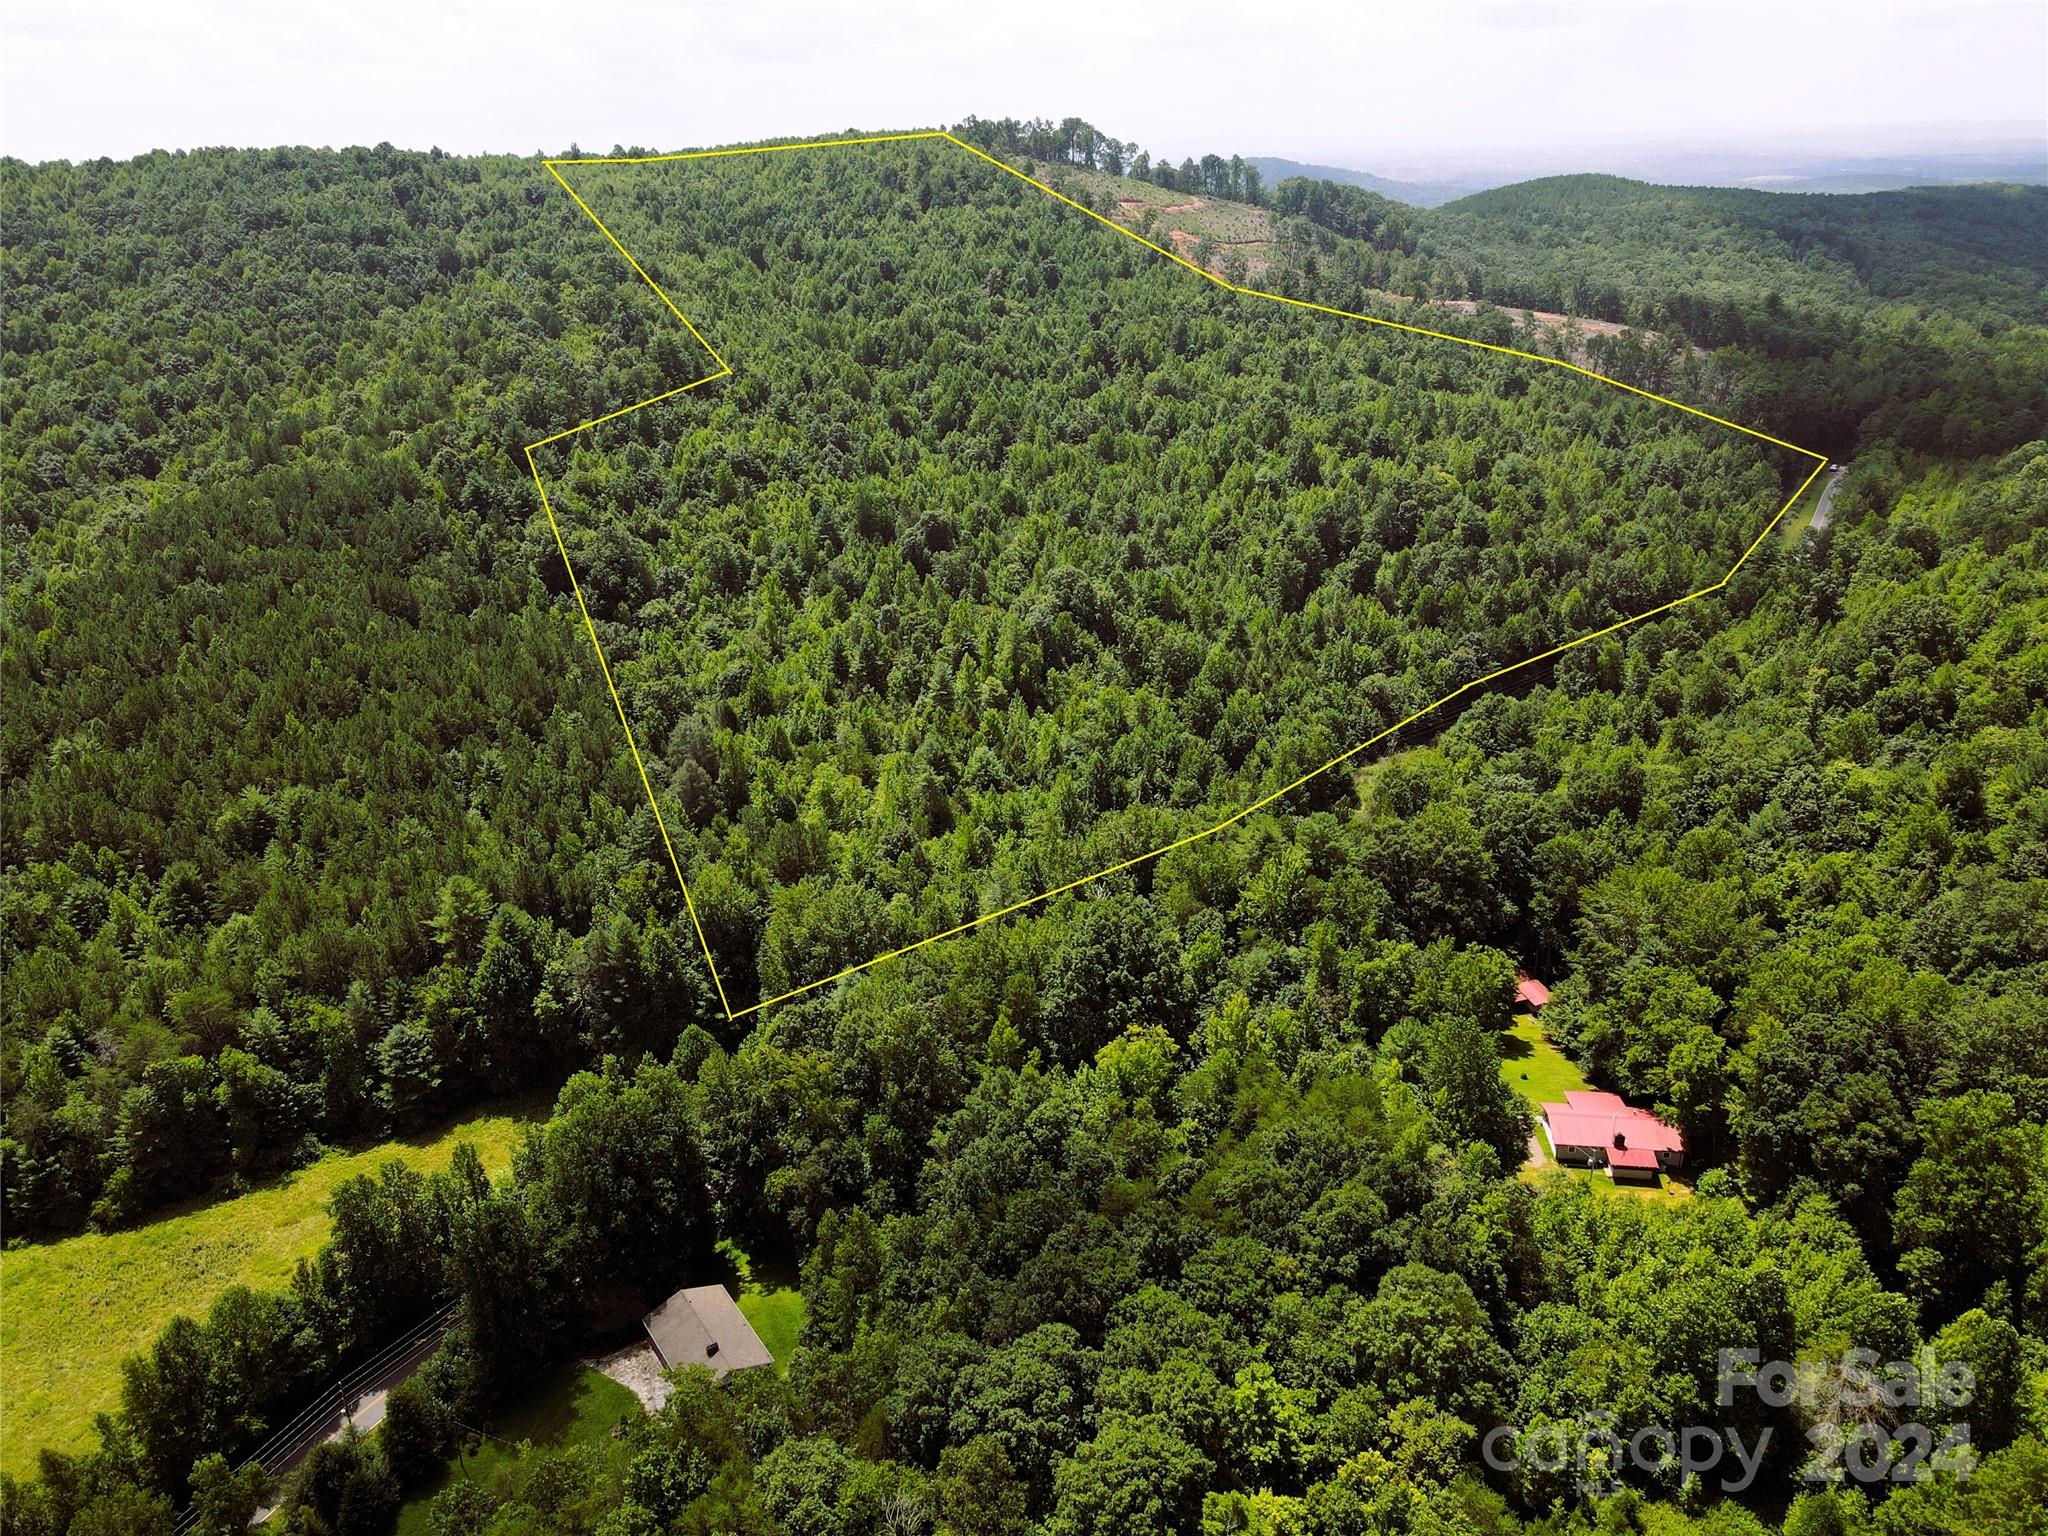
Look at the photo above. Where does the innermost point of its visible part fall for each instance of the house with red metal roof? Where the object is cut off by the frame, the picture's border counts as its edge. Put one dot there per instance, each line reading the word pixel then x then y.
pixel 1531 993
pixel 1603 1130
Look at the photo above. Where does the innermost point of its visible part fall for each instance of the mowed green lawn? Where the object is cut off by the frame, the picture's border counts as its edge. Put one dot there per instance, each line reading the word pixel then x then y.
pixel 1535 1068
pixel 777 1314
pixel 567 1405
pixel 1541 1073
pixel 71 1311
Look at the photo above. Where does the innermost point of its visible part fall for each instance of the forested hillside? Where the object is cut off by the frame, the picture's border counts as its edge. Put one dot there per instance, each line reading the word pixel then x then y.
pixel 1186 1202
pixel 907 632
pixel 1918 318
pixel 292 712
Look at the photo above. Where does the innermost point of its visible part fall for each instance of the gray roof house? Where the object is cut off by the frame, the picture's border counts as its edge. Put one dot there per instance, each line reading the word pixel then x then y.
pixel 704 1326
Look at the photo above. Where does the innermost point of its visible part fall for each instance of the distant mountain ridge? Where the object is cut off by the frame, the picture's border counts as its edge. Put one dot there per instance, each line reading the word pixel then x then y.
pixel 2018 163
pixel 1416 194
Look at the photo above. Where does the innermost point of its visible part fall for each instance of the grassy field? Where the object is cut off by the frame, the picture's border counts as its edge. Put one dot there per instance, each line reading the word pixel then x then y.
pixel 769 1300
pixel 777 1314
pixel 1535 1068
pixel 70 1311
pixel 1540 1072
pixel 569 1404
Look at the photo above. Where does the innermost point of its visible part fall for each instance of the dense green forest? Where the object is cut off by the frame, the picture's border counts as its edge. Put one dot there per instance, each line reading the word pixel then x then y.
pixel 1188 1201
pixel 907 634
pixel 1915 318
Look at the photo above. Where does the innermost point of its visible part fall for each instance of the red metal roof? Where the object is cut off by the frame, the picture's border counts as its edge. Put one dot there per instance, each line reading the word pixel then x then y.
pixel 1531 991
pixel 1631 1157
pixel 1589 1118
pixel 1597 1099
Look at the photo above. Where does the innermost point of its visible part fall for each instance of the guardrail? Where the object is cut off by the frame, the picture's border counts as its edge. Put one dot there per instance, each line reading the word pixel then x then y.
pixel 312 1423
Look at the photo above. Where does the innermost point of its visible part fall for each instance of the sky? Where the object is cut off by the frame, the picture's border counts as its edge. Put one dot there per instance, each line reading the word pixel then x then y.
pixel 1376 86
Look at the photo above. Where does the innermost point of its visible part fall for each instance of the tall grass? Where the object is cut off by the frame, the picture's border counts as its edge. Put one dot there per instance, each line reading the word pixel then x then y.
pixel 71 1311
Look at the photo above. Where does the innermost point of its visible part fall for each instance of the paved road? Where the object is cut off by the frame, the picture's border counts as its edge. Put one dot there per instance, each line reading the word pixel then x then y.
pixel 363 1409
pixel 1823 509
pixel 357 1402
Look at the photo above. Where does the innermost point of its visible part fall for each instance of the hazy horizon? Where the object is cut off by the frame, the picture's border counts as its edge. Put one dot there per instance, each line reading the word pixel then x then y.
pixel 1404 162
pixel 1422 165
pixel 1454 84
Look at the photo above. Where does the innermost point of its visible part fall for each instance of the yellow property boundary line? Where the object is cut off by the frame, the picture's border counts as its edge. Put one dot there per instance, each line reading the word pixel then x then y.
pixel 724 370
